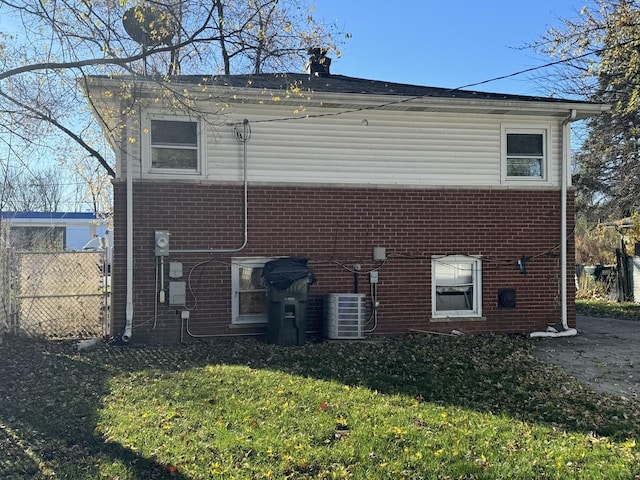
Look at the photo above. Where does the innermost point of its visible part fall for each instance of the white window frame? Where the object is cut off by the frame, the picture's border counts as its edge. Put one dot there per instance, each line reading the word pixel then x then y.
pixel 236 265
pixel 147 147
pixel 545 131
pixel 475 310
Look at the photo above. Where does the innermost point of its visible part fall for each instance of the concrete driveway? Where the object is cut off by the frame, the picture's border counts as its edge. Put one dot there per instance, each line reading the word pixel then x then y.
pixel 605 354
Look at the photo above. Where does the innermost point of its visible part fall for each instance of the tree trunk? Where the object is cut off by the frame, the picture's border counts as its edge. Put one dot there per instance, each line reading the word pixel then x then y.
pixel 223 46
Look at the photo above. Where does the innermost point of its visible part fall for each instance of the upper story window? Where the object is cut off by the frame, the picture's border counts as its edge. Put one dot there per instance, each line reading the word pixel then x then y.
pixel 174 146
pixel 525 154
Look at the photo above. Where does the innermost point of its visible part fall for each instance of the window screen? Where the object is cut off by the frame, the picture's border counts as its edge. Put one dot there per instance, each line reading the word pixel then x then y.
pixel 525 155
pixel 174 145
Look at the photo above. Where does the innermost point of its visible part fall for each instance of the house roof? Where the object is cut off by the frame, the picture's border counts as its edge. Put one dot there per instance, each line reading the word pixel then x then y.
pixel 350 85
pixel 50 215
pixel 349 93
pixel 51 218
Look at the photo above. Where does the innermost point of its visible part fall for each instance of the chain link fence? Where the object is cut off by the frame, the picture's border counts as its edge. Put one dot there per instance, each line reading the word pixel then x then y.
pixel 5 292
pixel 56 295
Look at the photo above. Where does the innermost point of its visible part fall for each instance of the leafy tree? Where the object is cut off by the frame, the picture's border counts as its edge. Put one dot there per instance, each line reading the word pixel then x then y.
pixel 54 45
pixel 601 49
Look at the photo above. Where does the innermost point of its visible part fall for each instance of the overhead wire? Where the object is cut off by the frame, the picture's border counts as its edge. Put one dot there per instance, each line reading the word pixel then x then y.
pixel 445 90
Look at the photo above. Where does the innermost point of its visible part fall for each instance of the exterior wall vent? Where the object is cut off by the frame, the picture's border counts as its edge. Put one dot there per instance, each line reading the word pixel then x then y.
pixel 344 316
pixel 507 297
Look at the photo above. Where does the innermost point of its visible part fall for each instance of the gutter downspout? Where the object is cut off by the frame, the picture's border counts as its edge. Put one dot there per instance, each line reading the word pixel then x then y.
pixel 566 158
pixel 566 155
pixel 126 336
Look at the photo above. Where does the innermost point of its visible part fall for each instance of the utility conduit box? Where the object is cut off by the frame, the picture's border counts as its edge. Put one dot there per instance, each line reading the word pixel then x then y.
pixel 175 269
pixel 177 294
pixel 379 254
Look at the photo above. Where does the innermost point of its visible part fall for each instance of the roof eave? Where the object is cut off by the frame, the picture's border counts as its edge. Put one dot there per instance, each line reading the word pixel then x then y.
pixel 366 101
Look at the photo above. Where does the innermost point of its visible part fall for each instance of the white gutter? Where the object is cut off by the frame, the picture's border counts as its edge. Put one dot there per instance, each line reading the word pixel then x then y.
pixel 566 156
pixel 126 336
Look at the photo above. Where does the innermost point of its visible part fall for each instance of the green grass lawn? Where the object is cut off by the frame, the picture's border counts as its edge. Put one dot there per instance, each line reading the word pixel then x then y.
pixel 409 407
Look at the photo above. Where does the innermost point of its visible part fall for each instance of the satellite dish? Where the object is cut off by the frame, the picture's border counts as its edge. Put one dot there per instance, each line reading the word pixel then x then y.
pixel 148 26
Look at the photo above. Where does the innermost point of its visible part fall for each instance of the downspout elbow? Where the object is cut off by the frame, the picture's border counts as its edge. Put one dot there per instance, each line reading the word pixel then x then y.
pixel 126 336
pixel 572 116
pixel 570 332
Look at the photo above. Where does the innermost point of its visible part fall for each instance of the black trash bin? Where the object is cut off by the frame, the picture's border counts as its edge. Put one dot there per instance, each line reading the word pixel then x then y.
pixel 288 281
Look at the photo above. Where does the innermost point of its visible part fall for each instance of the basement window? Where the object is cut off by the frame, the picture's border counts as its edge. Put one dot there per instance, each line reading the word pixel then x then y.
pixel 524 154
pixel 456 286
pixel 249 291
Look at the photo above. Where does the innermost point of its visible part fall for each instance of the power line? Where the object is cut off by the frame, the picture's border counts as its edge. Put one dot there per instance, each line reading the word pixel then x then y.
pixel 539 67
pixel 449 90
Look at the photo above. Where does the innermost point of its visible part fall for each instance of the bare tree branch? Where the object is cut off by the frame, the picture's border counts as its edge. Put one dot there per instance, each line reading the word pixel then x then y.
pixel 67 131
pixel 40 106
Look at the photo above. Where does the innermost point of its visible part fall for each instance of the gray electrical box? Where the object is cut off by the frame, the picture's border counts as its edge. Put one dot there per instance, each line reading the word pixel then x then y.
pixel 161 243
pixel 175 269
pixel 379 254
pixel 177 294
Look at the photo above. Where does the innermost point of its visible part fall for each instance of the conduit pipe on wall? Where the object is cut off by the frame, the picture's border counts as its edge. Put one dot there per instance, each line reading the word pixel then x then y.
pixel 242 137
pixel 566 155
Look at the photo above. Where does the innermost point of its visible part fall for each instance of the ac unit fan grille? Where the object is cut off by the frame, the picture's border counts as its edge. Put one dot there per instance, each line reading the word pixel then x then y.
pixel 344 316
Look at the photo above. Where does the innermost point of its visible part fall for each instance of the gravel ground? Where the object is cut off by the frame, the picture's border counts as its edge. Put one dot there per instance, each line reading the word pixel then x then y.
pixel 605 354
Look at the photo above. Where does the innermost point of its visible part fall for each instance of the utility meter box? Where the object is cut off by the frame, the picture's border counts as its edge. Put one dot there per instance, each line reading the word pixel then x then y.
pixel 175 269
pixel 161 243
pixel 177 294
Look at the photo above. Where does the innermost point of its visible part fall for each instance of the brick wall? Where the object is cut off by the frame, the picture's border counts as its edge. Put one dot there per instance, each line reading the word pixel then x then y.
pixel 342 225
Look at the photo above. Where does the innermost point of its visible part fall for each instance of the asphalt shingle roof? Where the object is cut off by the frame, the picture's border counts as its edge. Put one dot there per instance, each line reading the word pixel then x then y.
pixel 349 85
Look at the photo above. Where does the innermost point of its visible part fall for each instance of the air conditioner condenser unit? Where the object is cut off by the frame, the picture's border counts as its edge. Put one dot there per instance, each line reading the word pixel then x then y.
pixel 344 316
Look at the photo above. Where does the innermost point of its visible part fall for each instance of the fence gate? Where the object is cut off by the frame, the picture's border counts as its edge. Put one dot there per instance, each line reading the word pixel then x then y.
pixel 60 295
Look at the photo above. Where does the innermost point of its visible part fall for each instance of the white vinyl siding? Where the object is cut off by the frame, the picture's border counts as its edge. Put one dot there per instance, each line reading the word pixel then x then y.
pixel 404 149
pixel 399 150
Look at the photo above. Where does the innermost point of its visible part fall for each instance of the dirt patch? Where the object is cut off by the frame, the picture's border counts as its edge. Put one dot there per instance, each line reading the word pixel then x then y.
pixel 605 355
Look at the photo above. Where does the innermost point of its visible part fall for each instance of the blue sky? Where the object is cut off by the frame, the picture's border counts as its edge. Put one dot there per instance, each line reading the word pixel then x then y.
pixel 444 43
pixel 441 43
